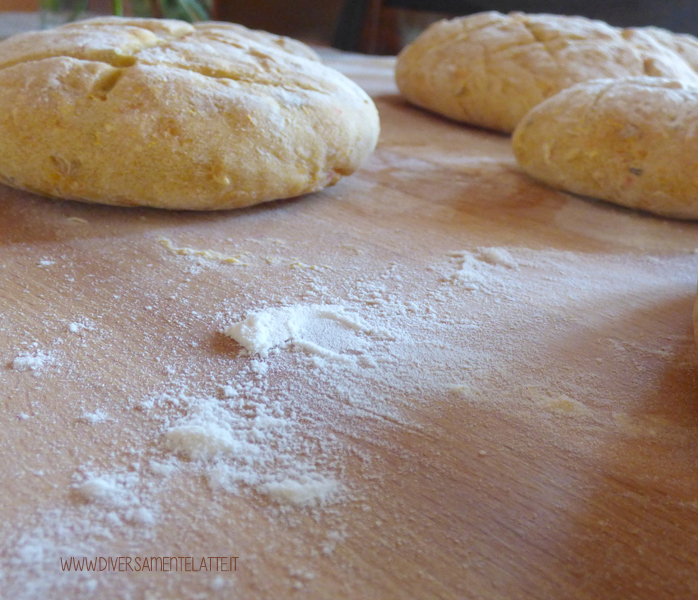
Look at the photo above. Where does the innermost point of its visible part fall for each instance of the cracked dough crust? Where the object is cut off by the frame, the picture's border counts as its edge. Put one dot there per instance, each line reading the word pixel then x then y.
pixel 162 113
pixel 490 69
pixel 629 141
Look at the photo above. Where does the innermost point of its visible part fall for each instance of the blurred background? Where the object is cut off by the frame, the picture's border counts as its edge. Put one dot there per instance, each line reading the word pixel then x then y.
pixel 385 26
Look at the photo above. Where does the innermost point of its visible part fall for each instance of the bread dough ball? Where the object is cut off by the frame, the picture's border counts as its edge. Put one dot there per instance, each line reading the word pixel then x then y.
pixel 162 113
pixel 490 69
pixel 629 141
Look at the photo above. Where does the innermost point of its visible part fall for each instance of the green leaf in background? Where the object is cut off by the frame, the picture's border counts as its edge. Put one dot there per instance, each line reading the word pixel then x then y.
pixel 55 12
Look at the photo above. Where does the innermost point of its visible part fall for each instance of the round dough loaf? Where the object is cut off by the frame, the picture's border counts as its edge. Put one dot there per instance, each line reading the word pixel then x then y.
pixel 629 141
pixel 161 113
pixel 490 69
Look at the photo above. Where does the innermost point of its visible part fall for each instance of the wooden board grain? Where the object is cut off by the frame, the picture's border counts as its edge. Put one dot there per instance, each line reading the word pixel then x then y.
pixel 530 430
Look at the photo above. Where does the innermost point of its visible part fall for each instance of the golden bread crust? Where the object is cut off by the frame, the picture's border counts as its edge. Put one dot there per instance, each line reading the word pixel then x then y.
pixel 629 141
pixel 164 114
pixel 490 69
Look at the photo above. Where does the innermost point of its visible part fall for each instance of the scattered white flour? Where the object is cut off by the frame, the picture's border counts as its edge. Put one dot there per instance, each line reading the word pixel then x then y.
pixel 98 416
pixel 105 489
pixel 306 490
pixel 477 269
pixel 497 256
pixel 116 492
pixel 295 419
pixel 252 441
pixel 76 327
pixel 31 361
pixel 325 331
pixel 210 430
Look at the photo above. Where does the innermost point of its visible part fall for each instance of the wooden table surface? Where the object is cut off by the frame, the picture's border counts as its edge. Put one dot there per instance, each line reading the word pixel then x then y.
pixel 515 416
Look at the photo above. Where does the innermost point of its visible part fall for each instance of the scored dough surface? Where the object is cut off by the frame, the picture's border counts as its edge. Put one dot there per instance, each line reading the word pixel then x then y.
pixel 490 69
pixel 165 114
pixel 629 141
